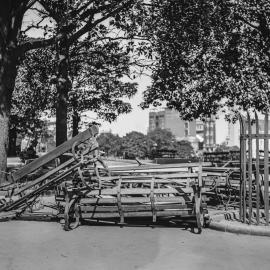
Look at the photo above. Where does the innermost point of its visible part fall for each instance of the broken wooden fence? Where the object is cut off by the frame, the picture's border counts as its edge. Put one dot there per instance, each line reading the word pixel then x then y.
pixel 254 162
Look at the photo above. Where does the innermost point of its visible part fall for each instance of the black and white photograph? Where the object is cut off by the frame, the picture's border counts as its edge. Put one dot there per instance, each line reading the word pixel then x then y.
pixel 134 134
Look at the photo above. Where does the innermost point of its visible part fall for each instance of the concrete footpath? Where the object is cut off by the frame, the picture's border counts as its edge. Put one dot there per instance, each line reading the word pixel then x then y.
pixel 228 221
pixel 46 246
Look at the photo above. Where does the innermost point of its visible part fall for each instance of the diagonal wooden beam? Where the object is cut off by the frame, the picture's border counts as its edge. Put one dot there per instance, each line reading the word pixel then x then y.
pixel 58 151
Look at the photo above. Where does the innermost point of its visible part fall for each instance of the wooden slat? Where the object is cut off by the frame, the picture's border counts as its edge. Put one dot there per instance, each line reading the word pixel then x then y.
pixel 249 169
pixel 139 191
pixel 243 168
pixel 130 208
pixel 163 166
pixel 260 136
pixel 125 200
pixel 45 176
pixel 257 171
pixel 182 212
pixel 156 176
pixel 119 203
pixel 266 171
pixel 40 189
pixel 58 151
pixel 220 169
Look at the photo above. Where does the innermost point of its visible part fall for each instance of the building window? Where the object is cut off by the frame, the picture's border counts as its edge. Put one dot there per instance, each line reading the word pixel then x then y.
pixel 186 129
pixel 199 127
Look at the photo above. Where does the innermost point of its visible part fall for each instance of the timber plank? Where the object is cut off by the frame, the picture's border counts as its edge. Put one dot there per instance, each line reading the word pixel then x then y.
pixel 43 177
pixel 130 208
pixel 156 176
pixel 58 151
pixel 181 212
pixel 176 199
pixel 140 191
pixel 163 166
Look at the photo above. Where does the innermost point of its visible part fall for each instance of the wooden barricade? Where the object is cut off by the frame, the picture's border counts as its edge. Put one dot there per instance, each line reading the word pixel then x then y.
pixel 254 191
pixel 26 194
pixel 150 191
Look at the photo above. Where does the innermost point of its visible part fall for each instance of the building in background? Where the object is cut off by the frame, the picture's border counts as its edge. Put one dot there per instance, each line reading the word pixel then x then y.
pixel 233 138
pixel 209 134
pixel 198 133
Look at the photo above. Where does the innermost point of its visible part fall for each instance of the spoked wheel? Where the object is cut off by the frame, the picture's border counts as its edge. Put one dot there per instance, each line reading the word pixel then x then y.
pixel 71 214
pixel 198 210
pixel 200 220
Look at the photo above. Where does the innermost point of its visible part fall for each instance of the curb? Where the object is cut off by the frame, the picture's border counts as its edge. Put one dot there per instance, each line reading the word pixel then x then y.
pixel 227 222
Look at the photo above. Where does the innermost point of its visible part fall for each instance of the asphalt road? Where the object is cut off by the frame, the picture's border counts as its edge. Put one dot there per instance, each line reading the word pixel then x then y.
pixel 29 245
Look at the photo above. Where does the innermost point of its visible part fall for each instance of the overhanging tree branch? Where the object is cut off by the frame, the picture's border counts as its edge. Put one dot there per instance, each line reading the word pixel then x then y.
pixel 90 25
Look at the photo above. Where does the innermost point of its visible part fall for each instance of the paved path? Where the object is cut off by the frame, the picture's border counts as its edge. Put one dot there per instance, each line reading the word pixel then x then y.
pixel 29 245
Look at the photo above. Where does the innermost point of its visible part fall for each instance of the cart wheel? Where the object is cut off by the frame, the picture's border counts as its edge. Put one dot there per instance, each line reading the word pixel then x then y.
pixel 71 215
pixel 200 221
pixel 198 210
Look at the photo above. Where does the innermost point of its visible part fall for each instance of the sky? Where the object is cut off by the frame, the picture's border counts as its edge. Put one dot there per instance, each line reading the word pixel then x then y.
pixel 137 120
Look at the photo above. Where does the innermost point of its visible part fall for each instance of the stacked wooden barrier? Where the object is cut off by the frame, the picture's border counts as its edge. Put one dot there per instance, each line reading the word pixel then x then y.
pixel 86 189
pixel 151 191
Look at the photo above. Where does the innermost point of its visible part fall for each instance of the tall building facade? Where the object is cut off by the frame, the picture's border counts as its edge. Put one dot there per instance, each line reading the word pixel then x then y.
pixel 209 134
pixel 196 132
pixel 170 120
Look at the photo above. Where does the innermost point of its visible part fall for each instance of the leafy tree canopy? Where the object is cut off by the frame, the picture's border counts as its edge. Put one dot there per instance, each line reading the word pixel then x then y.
pixel 134 145
pixel 211 55
pixel 110 144
pixel 33 94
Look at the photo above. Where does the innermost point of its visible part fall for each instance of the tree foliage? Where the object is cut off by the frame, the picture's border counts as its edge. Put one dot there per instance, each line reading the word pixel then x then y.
pixel 137 145
pixel 134 145
pixel 110 144
pixel 211 55
pixel 184 149
pixel 33 94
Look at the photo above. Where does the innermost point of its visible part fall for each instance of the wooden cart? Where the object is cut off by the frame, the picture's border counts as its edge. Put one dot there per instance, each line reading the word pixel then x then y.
pixel 155 192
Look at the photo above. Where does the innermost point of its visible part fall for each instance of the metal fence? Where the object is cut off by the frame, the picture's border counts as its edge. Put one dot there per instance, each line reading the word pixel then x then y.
pixel 254 164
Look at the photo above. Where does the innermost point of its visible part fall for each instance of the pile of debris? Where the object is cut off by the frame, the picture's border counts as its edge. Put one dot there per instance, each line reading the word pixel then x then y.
pixel 86 189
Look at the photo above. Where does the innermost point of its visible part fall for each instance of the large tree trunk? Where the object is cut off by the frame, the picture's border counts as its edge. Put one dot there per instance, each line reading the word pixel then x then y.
pixel 8 72
pixel 75 122
pixel 63 87
pixel 11 15
pixel 12 142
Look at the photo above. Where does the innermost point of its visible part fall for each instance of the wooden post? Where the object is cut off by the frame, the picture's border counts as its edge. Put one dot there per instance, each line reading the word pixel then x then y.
pixel 249 168
pixel 266 170
pixel 243 164
pixel 257 171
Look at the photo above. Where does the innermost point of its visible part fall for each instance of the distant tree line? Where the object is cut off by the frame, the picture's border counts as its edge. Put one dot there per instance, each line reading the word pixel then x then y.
pixel 135 144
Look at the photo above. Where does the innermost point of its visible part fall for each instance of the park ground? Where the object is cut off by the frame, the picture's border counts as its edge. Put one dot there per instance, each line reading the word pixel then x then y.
pixel 27 245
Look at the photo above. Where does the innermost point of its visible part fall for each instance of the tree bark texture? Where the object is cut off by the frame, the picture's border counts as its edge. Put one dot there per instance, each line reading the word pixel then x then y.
pixel 12 142
pixel 63 87
pixel 75 123
pixel 11 14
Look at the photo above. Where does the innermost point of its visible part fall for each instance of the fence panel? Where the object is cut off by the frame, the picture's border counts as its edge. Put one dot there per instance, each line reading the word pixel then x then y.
pixel 254 186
